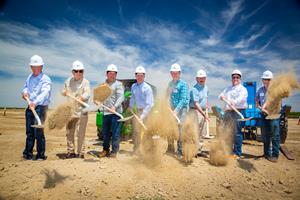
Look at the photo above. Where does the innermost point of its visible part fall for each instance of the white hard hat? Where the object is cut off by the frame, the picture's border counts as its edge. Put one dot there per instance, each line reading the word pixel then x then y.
pixel 112 68
pixel 77 65
pixel 175 68
pixel 201 73
pixel 267 75
pixel 236 71
pixel 140 69
pixel 36 60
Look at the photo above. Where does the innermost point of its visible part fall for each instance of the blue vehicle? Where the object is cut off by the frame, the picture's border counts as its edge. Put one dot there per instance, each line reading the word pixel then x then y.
pixel 250 127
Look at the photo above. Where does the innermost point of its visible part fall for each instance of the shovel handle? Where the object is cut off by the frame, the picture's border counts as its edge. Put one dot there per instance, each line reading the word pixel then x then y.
pixel 177 119
pixel 36 116
pixel 233 108
pixel 78 100
pixel 114 112
pixel 139 120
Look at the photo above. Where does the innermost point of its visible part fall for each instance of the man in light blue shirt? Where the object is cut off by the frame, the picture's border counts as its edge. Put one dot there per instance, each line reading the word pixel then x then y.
pixel 198 105
pixel 179 98
pixel 142 99
pixel 269 127
pixel 37 89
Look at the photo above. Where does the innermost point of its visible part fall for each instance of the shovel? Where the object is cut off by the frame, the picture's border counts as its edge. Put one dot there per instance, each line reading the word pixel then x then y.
pixel 175 116
pixel 37 118
pixel 207 136
pixel 140 121
pixel 89 108
pixel 238 112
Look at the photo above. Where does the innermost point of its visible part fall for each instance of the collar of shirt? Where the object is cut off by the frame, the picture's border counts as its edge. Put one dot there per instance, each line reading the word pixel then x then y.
pixel 199 86
pixel 38 76
pixel 106 81
pixel 140 84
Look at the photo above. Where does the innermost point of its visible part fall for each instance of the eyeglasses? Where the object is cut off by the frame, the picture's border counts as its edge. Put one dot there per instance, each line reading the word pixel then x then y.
pixel 236 77
pixel 78 71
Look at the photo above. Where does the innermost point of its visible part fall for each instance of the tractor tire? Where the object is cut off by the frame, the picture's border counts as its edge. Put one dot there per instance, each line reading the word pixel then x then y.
pixel 283 130
pixel 99 134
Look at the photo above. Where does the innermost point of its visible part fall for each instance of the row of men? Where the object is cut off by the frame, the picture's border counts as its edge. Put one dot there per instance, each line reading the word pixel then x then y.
pixel 37 88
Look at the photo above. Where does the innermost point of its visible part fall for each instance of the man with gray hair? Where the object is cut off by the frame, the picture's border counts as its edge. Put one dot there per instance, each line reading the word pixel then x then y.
pixel 37 92
pixel 79 87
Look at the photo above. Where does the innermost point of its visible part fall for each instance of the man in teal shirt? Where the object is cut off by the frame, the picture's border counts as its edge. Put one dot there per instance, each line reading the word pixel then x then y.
pixel 179 99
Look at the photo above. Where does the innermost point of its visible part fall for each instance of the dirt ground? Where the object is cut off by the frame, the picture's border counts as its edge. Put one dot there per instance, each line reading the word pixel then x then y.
pixel 127 177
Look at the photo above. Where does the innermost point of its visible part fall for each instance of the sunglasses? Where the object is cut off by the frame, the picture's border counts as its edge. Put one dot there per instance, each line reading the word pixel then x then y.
pixel 266 79
pixel 78 71
pixel 236 77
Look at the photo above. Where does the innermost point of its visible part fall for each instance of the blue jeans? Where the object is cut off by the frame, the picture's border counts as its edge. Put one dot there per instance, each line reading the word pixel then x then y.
pixel 35 133
pixel 111 124
pixel 270 133
pixel 231 123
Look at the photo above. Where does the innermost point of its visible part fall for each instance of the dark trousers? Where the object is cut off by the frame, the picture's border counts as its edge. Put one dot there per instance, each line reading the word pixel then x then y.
pixel 110 123
pixel 233 126
pixel 33 134
pixel 270 131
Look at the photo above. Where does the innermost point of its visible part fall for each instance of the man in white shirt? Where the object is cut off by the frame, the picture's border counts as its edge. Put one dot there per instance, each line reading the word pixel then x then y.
pixel 236 95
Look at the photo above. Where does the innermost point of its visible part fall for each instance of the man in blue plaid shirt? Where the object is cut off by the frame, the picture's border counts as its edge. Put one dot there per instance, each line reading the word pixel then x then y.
pixel 178 92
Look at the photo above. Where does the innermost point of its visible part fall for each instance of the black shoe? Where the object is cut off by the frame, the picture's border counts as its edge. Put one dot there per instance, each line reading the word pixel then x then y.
pixel 272 159
pixel 26 157
pixel 41 158
pixel 70 155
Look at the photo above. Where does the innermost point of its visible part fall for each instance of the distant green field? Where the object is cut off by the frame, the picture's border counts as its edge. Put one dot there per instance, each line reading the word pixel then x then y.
pixel 294 115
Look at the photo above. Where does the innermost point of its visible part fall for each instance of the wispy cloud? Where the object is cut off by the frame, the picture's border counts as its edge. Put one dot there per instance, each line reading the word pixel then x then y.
pixel 246 17
pixel 120 10
pixel 245 43
pixel 256 51
pixel 219 28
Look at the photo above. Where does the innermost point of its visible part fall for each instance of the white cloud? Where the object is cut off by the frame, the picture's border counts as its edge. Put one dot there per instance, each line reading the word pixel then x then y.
pixel 256 51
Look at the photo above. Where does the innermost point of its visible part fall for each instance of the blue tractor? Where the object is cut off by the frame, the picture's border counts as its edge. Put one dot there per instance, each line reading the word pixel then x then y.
pixel 250 128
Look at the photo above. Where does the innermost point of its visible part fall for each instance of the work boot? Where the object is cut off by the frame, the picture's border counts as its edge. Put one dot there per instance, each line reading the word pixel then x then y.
pixel 104 153
pixel 70 155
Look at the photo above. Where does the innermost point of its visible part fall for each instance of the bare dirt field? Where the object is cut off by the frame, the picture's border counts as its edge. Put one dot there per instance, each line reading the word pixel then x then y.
pixel 127 177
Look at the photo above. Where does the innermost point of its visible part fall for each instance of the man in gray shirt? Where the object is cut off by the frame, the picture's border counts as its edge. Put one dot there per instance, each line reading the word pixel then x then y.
pixel 110 120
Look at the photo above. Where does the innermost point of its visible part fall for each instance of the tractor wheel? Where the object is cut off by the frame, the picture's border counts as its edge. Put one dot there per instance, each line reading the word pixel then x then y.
pixel 283 130
pixel 99 134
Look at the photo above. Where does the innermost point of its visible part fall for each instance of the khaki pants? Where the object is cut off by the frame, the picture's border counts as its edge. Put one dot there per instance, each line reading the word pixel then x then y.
pixel 202 126
pixel 78 124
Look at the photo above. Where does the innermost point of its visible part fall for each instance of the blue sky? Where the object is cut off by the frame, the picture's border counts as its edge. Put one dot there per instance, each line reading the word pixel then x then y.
pixel 217 36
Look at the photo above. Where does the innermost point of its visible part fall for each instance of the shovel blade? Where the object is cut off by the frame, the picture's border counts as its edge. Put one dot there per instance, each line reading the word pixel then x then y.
pixel 209 137
pixel 125 119
pixel 155 137
pixel 245 119
pixel 274 116
pixel 37 126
